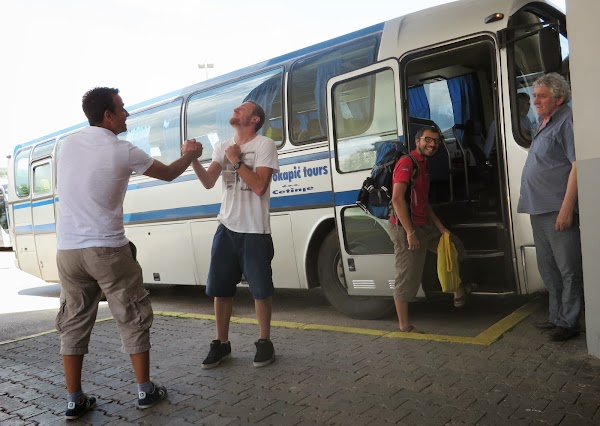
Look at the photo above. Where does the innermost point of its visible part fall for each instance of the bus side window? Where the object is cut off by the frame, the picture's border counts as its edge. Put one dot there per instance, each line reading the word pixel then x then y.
pixel 3 210
pixel 208 112
pixel 42 179
pixel 308 83
pixel 22 173
pixel 157 131
pixel 268 95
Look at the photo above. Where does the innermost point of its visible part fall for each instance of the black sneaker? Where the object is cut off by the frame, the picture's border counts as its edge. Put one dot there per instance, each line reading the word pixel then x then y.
pixel 545 325
pixel 217 353
pixel 265 353
pixel 75 411
pixel 561 334
pixel 147 400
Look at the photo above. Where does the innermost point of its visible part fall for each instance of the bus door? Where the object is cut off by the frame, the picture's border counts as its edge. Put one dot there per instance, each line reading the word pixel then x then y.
pixel 5 240
pixel 363 112
pixel 43 218
pixel 20 213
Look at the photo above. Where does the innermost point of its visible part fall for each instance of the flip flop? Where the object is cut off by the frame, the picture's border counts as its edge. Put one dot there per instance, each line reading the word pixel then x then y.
pixel 460 302
pixel 412 329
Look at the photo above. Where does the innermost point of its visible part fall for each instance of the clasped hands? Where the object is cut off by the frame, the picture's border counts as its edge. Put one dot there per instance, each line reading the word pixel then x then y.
pixel 192 147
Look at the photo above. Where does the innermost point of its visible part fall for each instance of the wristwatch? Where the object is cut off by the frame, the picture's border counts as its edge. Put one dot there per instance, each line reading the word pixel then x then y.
pixel 237 165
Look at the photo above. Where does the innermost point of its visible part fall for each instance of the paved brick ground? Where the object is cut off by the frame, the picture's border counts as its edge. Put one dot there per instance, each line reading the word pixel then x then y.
pixel 319 378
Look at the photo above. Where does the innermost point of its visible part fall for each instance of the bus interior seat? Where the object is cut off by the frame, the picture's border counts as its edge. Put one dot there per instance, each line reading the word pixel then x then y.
pixel 274 134
pixel 480 175
pixel 474 139
pixel 313 129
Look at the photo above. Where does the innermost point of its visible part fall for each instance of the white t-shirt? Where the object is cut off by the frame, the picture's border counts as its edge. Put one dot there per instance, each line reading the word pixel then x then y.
pixel 241 209
pixel 93 171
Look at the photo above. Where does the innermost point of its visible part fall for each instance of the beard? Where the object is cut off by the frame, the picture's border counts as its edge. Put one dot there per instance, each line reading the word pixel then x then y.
pixel 426 153
pixel 240 121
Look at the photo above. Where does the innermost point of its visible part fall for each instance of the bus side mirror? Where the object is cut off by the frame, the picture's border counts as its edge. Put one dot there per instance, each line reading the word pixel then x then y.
pixel 550 52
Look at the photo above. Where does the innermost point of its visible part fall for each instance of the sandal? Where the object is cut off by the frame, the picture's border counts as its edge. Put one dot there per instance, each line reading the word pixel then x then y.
pixel 412 329
pixel 460 302
pixel 468 288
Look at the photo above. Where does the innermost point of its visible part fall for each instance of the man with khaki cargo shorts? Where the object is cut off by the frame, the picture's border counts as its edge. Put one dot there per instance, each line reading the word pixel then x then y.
pixel 94 256
pixel 416 228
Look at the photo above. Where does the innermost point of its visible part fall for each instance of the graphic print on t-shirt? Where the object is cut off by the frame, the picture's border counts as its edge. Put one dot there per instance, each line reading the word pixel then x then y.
pixel 231 177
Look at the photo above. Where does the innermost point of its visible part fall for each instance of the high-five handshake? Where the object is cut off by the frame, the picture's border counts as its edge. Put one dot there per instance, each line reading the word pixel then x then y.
pixel 192 147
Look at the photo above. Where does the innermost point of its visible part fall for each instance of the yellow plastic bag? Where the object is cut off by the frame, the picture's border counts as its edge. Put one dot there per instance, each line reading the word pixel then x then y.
pixel 447 264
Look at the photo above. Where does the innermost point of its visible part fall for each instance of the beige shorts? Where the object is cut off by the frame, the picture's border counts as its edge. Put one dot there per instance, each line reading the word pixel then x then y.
pixel 409 263
pixel 86 273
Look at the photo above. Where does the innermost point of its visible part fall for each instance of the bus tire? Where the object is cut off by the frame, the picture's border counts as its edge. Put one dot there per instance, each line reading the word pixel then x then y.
pixel 333 284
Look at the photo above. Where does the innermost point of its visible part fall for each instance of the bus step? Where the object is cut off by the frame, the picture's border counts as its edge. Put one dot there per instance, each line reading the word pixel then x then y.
pixel 483 254
pixel 480 235
pixel 487 268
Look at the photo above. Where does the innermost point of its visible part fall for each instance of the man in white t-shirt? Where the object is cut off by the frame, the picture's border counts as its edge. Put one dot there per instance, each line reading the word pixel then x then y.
pixel 242 244
pixel 94 256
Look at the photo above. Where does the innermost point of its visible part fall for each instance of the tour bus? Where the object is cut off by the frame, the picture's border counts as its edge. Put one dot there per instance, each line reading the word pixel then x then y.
pixel 464 66
pixel 5 240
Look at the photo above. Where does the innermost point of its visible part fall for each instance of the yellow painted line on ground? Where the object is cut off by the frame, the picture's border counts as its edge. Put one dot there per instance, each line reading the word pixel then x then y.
pixel 494 332
pixel 485 338
pixel 27 337
pixel 43 333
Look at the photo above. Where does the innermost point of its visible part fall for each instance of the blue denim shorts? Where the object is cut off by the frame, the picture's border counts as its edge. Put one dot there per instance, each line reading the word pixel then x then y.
pixel 234 254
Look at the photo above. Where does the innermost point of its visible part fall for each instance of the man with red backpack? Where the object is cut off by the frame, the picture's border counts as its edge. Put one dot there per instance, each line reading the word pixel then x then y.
pixel 415 226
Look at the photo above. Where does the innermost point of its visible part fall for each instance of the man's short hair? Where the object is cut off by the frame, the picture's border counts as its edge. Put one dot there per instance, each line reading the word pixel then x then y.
pixel 421 131
pixel 260 113
pixel 96 101
pixel 557 84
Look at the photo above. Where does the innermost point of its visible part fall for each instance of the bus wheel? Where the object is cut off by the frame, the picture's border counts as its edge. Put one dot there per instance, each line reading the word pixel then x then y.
pixel 333 283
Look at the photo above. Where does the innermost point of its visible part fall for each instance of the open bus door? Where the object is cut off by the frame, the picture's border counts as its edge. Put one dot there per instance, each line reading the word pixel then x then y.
pixel 364 111
pixel 43 217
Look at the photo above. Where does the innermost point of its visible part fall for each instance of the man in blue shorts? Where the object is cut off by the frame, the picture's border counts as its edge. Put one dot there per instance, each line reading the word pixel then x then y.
pixel 242 244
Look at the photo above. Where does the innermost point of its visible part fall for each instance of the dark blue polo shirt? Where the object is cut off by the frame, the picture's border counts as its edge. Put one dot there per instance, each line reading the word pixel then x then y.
pixel 550 159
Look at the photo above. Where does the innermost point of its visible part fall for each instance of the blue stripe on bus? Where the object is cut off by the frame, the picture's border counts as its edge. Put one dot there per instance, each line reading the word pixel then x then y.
pixel 134 186
pixel 322 199
pixel 48 227
pixel 318 199
pixel 35 204
pixel 28 229
pixel 182 213
pixel 21 206
pixel 25 229
pixel 346 198
pixel 177 213
pixel 304 158
pixel 42 203
pixel 293 160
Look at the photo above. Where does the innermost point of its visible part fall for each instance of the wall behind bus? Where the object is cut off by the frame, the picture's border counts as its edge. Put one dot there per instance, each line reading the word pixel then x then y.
pixel 585 69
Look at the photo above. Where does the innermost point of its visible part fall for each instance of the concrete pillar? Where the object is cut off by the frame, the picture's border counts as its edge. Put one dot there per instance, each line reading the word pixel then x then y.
pixel 584 35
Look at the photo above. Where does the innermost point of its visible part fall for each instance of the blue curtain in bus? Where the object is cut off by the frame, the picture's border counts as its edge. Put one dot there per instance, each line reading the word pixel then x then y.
pixel 325 71
pixel 466 99
pixel 418 105
pixel 265 95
